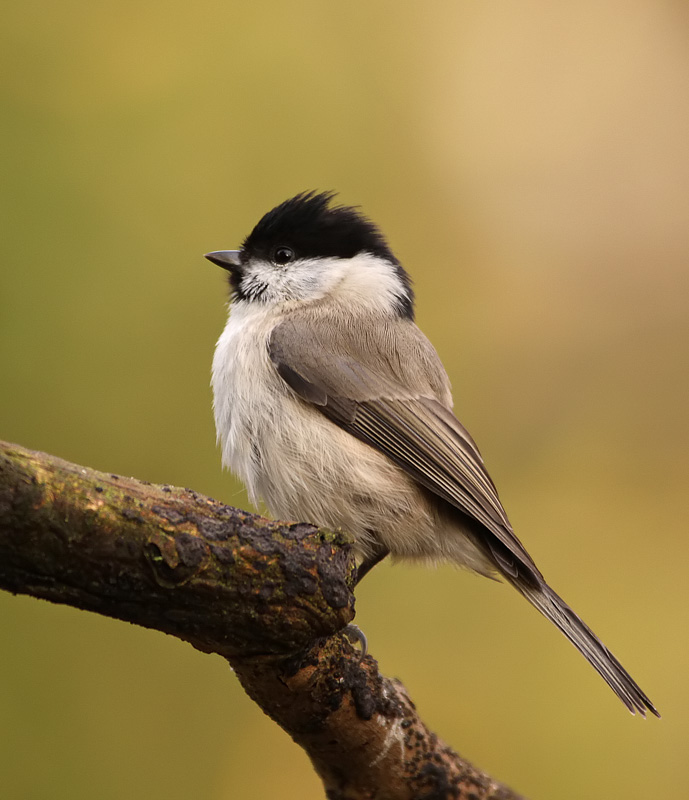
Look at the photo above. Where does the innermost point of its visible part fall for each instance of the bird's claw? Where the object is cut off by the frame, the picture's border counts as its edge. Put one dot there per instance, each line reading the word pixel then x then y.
pixel 357 636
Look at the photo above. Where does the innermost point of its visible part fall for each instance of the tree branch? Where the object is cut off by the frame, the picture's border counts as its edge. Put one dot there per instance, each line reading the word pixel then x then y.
pixel 271 597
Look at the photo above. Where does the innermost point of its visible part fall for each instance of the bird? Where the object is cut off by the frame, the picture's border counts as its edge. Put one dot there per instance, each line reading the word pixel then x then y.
pixel 334 408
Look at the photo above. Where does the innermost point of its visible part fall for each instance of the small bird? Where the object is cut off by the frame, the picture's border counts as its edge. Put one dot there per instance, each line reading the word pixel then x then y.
pixel 334 408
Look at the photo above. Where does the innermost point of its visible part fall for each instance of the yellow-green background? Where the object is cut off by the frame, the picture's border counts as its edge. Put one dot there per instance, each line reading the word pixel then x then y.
pixel 529 162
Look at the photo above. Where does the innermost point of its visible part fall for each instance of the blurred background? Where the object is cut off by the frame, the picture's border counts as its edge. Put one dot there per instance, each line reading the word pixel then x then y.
pixel 529 163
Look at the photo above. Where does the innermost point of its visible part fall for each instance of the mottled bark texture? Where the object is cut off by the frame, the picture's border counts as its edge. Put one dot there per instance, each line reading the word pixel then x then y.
pixel 271 597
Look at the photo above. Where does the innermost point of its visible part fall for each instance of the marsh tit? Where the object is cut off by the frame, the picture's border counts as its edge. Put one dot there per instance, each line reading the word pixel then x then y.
pixel 334 408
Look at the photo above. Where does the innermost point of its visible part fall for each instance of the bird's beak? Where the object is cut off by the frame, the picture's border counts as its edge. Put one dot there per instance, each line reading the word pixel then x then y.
pixel 227 259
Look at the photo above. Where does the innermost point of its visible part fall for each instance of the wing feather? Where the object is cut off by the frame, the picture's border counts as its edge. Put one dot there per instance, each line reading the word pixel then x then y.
pixel 399 412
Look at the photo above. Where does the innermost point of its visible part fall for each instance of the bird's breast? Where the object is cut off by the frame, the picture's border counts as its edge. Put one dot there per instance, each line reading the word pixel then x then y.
pixel 246 390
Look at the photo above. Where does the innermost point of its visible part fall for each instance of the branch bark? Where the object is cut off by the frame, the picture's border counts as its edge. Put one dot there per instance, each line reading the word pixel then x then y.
pixel 271 597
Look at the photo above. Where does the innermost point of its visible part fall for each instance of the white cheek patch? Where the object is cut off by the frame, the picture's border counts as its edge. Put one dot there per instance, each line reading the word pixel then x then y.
pixel 372 282
pixel 365 280
pixel 302 280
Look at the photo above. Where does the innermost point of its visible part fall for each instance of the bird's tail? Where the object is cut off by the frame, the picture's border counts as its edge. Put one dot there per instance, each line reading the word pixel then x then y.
pixel 585 640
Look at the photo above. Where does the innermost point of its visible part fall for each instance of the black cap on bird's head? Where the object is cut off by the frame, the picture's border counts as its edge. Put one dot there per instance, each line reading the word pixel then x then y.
pixel 313 228
pixel 307 227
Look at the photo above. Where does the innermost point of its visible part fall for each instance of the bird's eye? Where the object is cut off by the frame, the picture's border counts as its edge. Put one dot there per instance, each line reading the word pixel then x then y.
pixel 283 255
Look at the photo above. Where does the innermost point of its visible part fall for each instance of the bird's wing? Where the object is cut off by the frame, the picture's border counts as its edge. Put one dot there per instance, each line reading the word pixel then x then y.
pixel 395 401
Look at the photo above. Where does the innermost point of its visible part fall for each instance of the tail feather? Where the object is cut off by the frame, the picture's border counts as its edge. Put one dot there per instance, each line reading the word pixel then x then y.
pixel 585 640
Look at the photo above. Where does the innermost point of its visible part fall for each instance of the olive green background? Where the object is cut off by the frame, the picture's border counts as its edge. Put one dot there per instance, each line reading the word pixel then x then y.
pixel 529 163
